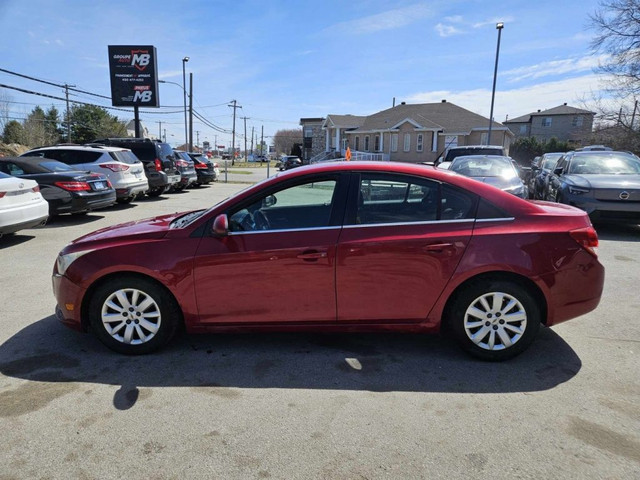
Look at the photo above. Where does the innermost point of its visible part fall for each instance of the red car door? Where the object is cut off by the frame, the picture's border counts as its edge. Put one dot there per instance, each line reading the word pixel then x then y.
pixel 278 262
pixel 406 240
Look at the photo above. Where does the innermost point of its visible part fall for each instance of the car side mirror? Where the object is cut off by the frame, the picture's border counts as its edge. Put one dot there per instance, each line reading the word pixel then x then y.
pixel 269 201
pixel 221 226
pixel 558 171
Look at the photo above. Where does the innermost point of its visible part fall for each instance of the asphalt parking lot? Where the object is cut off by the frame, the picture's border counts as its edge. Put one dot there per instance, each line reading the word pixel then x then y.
pixel 311 406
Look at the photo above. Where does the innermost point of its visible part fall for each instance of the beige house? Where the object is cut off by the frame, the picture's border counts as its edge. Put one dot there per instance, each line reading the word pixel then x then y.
pixel 565 123
pixel 410 133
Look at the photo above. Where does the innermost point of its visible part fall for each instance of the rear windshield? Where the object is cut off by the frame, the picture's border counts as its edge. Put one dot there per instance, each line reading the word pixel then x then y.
pixel 124 156
pixel 144 151
pixel 455 152
pixel 53 166
pixel 165 150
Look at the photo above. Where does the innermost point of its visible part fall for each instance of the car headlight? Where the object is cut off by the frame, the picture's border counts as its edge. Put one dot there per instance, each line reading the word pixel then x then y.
pixel 578 190
pixel 63 262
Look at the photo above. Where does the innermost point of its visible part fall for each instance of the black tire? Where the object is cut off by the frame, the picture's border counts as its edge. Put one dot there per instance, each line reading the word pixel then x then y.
pixel 124 201
pixel 156 192
pixel 145 316
pixel 481 327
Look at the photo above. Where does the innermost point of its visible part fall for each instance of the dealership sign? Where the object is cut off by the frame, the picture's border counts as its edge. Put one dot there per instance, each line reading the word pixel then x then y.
pixel 134 76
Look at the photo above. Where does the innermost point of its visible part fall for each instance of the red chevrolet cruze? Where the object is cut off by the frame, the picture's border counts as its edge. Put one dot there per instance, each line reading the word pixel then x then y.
pixel 360 247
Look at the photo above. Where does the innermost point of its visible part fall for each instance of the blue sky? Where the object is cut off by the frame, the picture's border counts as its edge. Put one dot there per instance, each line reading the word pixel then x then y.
pixel 284 59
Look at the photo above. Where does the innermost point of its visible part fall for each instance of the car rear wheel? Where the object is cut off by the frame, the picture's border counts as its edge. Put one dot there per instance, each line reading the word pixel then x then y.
pixel 495 319
pixel 156 192
pixel 133 315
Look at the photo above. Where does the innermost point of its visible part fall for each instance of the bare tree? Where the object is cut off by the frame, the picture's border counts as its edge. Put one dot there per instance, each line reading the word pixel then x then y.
pixel 5 100
pixel 284 140
pixel 617 27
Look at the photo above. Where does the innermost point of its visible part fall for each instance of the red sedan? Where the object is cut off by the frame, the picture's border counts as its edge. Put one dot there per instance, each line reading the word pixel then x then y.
pixel 373 246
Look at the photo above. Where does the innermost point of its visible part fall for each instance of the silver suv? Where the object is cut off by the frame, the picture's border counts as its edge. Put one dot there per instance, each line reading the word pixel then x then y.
pixel 120 165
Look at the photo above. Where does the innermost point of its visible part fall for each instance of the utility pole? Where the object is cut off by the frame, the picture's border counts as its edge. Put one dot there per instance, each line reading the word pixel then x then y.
pixel 252 141
pixel 233 133
pixel 164 137
pixel 197 137
pixel 245 138
pixel 66 92
pixel 159 130
pixel 215 143
pixel 191 111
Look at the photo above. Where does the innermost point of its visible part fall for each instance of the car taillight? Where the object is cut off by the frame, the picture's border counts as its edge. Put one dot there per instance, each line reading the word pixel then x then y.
pixel 36 189
pixel 587 238
pixel 158 165
pixel 2 194
pixel 181 163
pixel 201 166
pixel 115 167
pixel 73 186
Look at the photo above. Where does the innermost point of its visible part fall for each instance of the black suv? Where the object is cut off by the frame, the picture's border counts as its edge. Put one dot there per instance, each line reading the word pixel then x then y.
pixel 158 159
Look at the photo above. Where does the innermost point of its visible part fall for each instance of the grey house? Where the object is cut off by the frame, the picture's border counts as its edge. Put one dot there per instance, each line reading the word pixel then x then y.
pixel 409 132
pixel 566 123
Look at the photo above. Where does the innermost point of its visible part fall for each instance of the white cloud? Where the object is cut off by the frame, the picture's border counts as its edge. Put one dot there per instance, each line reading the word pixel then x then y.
pixel 389 20
pixel 520 101
pixel 454 19
pixel 447 30
pixel 554 67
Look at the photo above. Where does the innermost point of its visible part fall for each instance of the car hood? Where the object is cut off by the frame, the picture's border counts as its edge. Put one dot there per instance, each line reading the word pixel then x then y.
pixel 604 181
pixel 148 228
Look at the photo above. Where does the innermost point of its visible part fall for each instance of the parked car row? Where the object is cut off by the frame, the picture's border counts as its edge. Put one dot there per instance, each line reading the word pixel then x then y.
pixel 77 179
pixel 603 182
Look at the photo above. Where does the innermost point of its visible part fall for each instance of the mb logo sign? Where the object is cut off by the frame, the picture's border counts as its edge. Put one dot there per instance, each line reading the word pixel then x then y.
pixel 140 59
pixel 142 94
pixel 134 74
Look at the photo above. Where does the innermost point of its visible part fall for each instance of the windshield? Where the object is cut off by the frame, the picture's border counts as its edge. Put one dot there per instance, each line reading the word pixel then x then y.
pixel 484 166
pixel 550 161
pixel 612 164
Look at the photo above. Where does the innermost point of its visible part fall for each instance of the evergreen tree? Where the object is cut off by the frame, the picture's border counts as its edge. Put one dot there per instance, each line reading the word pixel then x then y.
pixel 13 132
pixel 89 122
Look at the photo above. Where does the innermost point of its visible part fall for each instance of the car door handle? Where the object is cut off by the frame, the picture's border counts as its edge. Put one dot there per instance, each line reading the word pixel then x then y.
pixel 437 247
pixel 312 255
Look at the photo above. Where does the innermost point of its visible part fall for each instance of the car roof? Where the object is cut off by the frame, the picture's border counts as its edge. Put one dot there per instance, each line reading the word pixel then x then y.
pixel 106 148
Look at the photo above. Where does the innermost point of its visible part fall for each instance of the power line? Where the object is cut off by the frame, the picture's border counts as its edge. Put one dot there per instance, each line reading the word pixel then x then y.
pixel 31 92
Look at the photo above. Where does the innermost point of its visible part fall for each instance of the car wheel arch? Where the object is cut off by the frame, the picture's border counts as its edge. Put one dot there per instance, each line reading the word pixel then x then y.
pixel 86 299
pixel 485 277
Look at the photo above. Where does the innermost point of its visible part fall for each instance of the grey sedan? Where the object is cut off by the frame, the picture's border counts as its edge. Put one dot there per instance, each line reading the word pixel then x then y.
pixel 496 170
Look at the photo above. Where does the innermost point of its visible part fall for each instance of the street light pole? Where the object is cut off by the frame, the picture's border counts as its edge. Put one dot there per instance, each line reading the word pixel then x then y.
pixel 184 98
pixel 499 27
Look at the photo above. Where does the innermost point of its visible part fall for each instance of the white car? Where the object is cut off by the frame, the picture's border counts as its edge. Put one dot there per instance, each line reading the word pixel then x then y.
pixel 123 169
pixel 21 204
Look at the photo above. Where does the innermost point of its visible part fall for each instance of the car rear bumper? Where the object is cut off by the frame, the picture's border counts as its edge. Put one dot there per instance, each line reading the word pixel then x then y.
pixel 131 189
pixel 83 203
pixel 26 216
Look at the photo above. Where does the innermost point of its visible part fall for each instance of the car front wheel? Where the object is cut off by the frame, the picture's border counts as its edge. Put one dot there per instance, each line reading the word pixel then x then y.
pixel 133 315
pixel 495 320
